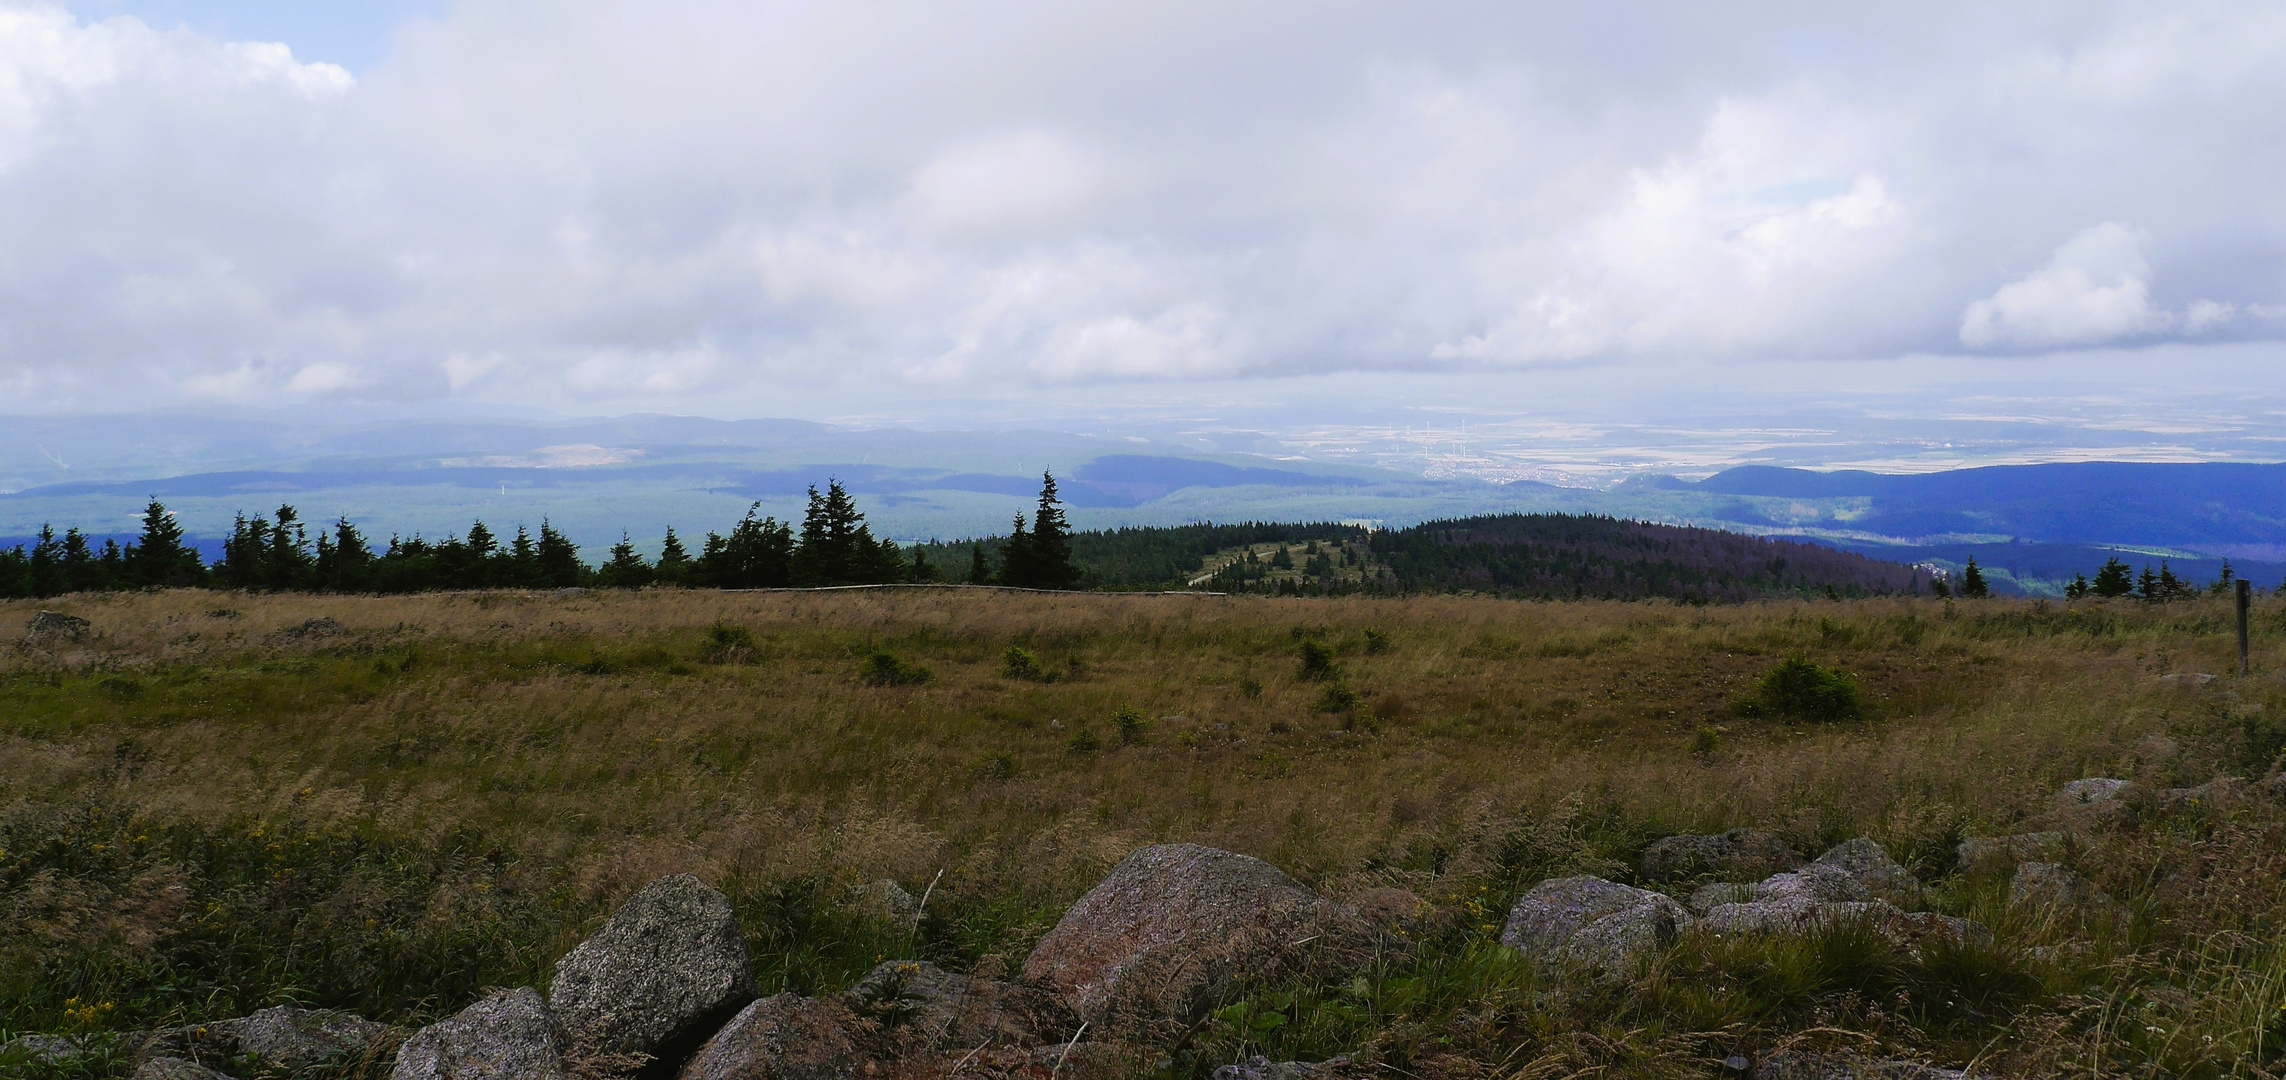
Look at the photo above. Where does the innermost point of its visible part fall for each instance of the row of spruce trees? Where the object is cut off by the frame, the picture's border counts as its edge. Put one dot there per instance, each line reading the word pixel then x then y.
pixel 2113 581
pixel 277 553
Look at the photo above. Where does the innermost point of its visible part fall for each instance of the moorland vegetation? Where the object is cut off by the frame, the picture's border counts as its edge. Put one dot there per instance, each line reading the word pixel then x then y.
pixel 212 802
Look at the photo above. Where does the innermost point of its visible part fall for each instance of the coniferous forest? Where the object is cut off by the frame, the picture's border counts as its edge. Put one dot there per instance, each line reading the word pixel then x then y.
pixel 1539 556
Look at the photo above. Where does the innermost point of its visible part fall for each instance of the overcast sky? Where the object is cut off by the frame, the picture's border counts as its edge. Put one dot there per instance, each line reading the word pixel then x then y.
pixel 740 207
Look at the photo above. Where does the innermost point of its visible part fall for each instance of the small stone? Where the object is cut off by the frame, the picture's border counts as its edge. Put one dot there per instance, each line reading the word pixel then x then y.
pixel 1593 922
pixel 1845 1065
pixel 2188 678
pixel 169 1068
pixel 784 1037
pixel 2095 789
pixel 1981 853
pixel 663 974
pixel 508 1034
pixel 1262 1068
pixel 1748 853
pixel 2053 886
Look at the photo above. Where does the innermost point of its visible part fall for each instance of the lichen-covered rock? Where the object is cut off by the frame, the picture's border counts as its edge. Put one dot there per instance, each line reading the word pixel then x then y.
pixel 47 1049
pixel 1739 853
pixel 296 1039
pixel 1990 853
pixel 783 1037
pixel 661 975
pixel 1845 1065
pixel 1592 922
pixel 506 1035
pixel 173 1068
pixel 2220 793
pixel 1172 927
pixel 921 1007
pixel 51 626
pixel 1881 876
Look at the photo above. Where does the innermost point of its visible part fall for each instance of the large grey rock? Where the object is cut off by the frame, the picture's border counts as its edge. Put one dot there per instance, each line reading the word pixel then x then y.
pixel 663 974
pixel 173 1068
pixel 1173 927
pixel 922 1007
pixel 1739 853
pixel 507 1036
pixel 1817 883
pixel 784 1037
pixel 1988 853
pixel 1592 922
pixel 49 626
pixel 1845 1065
pixel 1881 876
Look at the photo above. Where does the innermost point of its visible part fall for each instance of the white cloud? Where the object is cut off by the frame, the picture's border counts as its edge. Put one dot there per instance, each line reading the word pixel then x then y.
pixel 594 201
pixel 2097 288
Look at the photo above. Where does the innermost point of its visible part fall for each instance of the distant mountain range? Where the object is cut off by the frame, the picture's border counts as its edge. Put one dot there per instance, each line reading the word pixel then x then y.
pixel 2034 526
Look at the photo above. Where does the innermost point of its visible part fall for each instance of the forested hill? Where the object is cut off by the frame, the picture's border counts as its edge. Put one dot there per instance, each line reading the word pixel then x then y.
pixel 1558 556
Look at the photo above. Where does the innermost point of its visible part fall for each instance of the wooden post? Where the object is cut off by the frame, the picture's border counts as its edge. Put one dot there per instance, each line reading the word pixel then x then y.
pixel 2245 601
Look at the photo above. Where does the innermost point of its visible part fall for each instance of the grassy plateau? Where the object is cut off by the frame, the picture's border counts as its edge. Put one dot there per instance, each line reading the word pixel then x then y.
pixel 216 802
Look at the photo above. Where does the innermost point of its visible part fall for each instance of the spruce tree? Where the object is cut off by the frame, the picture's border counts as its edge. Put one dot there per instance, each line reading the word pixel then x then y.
pixel 345 564
pixel 756 555
pixel 1972 581
pixel 979 567
pixel 1051 550
pixel 674 566
pixel 2078 587
pixel 160 559
pixel 15 573
pixel 1016 556
pixel 2147 585
pixel 288 560
pixel 625 569
pixel 555 559
pixel 46 564
pixel 2112 580
pixel 838 548
pixel 522 562
pixel 80 574
pixel 923 571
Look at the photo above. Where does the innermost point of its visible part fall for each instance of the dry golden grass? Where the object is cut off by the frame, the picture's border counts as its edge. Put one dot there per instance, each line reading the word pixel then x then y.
pixel 523 761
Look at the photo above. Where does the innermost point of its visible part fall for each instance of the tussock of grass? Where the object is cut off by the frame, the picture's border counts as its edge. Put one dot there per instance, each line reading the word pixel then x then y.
pixel 201 815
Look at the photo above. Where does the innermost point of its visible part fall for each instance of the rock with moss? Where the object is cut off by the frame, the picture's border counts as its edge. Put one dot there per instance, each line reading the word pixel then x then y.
pixel 664 973
pixel 1173 927
pixel 508 1034
pixel 1591 922
pixel 49 627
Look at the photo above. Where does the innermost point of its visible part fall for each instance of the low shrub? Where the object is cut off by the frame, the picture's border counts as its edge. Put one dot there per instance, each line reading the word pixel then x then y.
pixel 1800 690
pixel 885 669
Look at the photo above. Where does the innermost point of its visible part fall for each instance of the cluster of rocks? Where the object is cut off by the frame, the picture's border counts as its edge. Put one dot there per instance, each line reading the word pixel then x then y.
pixel 665 989
pixel 1603 925
pixel 283 1039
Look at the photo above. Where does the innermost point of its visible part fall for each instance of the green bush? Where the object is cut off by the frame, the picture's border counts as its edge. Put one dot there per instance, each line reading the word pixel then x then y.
pixel 1317 660
pixel 1133 726
pixel 727 644
pixel 1337 697
pixel 1084 741
pixel 884 669
pixel 1022 663
pixel 1800 690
